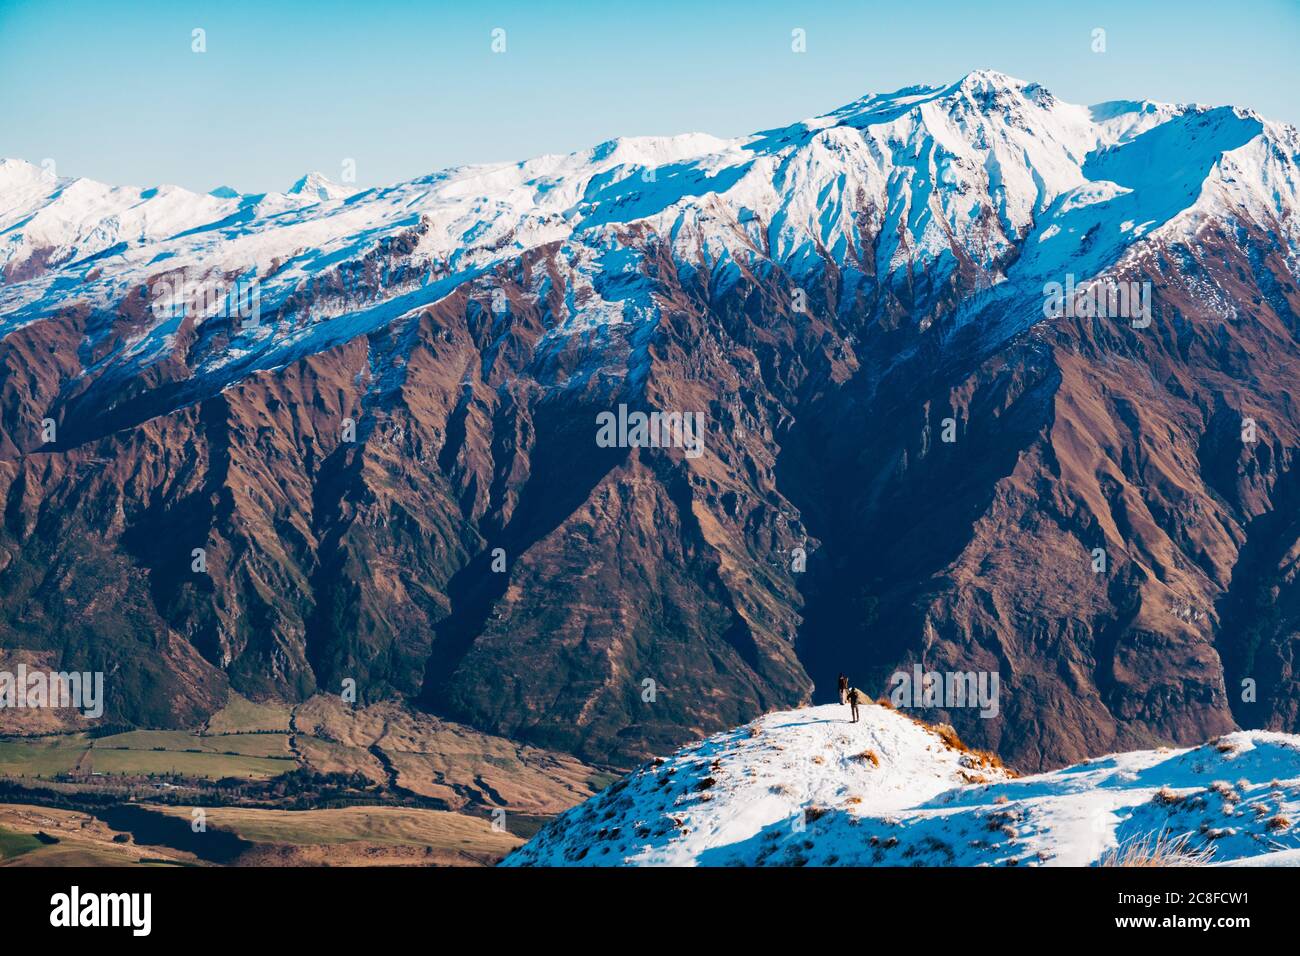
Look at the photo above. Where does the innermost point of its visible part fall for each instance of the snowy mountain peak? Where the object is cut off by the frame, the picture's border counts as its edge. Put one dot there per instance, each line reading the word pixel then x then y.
pixel 989 80
pixel 988 88
pixel 980 105
pixel 15 166
pixel 320 186
pixel 17 175
pixel 807 787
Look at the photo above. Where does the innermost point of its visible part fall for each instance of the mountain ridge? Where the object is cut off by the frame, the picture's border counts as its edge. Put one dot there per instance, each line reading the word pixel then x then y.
pixel 809 788
pixel 836 297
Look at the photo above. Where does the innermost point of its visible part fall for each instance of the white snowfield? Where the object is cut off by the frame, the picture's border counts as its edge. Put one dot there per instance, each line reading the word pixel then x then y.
pixel 801 788
pixel 916 179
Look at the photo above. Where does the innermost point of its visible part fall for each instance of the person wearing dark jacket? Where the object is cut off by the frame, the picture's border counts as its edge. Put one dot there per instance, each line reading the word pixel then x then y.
pixel 855 698
pixel 844 689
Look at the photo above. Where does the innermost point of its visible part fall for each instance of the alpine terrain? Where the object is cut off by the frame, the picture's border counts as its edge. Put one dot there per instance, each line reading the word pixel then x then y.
pixel 807 788
pixel 986 382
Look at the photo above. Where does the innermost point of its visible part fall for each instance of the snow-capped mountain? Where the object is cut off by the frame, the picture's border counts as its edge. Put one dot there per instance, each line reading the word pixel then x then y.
pixel 65 224
pixel 808 788
pixel 321 187
pixel 359 405
pixel 991 179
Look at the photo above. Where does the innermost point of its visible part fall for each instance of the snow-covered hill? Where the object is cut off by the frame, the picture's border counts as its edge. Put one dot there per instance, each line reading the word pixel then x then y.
pixel 806 787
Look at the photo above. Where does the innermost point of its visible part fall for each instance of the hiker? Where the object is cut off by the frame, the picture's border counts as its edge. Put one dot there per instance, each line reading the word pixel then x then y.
pixel 855 698
pixel 844 689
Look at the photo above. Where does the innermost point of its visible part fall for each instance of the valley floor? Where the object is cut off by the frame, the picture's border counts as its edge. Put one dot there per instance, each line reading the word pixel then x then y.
pixel 157 836
pixel 317 784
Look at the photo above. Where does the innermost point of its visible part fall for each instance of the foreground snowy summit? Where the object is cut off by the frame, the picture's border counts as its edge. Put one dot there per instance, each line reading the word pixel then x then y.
pixel 807 787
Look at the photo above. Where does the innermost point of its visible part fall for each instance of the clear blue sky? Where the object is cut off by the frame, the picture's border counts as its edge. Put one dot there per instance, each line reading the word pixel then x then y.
pixel 113 91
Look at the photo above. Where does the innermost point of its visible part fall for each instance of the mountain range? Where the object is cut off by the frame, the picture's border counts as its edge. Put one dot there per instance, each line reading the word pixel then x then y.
pixel 359 448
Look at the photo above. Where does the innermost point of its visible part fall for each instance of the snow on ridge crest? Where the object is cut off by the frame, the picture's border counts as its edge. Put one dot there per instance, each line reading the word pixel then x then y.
pixel 923 167
pixel 807 787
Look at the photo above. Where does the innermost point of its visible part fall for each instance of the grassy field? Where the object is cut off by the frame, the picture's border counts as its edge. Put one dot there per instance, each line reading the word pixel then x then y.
pixel 468 771
pixel 244 745
pixel 241 715
pixel 387 825
pixel 81 854
pixel 362 835
pixel 378 753
pixel 213 766
pixel 42 756
pixel 370 836
pixel 139 752
pixel 14 845
pixel 244 739
pixel 70 838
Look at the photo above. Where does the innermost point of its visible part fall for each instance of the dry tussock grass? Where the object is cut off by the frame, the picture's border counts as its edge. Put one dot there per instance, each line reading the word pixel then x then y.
pixel 868 756
pixel 976 759
pixel 1166 797
pixel 1158 850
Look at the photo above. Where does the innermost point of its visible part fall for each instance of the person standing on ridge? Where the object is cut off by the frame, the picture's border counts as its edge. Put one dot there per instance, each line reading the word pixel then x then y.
pixel 844 689
pixel 855 698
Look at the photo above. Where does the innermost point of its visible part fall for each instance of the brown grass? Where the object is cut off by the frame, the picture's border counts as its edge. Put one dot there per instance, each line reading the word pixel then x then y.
pixel 1166 798
pixel 1003 820
pixel 977 759
pixel 948 734
pixel 1278 822
pixel 1157 850
pixel 1226 791
pixel 868 756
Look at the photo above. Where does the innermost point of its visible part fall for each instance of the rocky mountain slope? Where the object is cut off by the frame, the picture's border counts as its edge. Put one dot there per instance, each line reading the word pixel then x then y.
pixel 808 788
pixel 380 429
